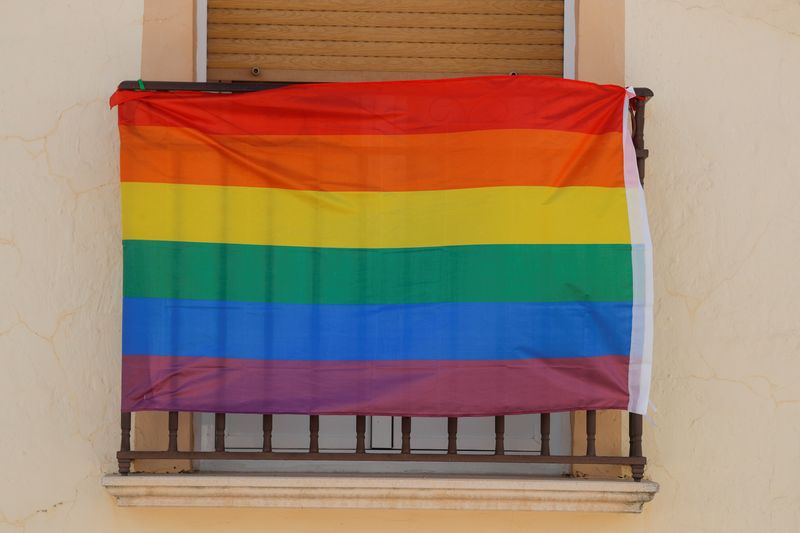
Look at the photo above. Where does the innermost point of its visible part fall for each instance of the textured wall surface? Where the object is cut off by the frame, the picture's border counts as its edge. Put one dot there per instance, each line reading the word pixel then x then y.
pixel 723 187
pixel 723 179
pixel 60 256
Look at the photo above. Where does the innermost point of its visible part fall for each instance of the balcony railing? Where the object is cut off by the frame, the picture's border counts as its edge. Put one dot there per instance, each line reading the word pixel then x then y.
pixel 635 458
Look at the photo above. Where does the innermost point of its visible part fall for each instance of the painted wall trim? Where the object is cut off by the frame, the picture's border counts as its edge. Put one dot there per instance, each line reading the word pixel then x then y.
pixel 201 40
pixel 380 492
pixel 570 32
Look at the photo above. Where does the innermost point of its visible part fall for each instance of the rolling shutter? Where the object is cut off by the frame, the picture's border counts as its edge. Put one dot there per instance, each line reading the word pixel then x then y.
pixel 347 40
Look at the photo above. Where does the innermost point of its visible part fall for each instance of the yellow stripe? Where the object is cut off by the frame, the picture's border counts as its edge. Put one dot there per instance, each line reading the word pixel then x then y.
pixel 492 215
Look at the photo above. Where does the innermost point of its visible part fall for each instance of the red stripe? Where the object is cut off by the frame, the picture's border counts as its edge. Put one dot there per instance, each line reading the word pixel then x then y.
pixel 386 108
pixel 411 388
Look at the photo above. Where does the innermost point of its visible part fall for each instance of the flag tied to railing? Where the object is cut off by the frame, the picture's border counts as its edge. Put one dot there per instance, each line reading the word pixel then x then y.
pixel 462 247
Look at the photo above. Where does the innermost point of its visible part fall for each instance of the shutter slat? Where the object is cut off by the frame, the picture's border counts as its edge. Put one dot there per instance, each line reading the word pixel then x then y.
pixel 335 40
pixel 403 35
pixel 407 64
pixel 514 7
pixel 318 76
pixel 373 49
pixel 385 20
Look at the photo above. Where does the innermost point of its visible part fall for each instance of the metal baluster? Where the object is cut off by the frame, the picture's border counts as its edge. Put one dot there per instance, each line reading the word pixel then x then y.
pixel 361 429
pixel 266 430
pixel 452 435
pixel 405 426
pixel 125 443
pixel 638 136
pixel 499 435
pixel 219 432
pixel 635 433
pixel 635 420
pixel 313 427
pixel 591 433
pixel 544 429
pixel 173 431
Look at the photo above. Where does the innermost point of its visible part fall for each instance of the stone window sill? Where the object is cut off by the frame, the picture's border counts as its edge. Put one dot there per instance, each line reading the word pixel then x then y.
pixel 379 492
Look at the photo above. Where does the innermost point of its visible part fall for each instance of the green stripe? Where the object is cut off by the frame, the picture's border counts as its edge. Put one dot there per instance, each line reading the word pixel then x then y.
pixel 286 274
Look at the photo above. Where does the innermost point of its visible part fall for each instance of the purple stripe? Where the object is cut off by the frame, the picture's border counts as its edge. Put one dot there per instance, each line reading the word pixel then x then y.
pixel 411 388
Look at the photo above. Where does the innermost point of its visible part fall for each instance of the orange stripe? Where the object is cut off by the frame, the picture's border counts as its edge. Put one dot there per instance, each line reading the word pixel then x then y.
pixel 433 161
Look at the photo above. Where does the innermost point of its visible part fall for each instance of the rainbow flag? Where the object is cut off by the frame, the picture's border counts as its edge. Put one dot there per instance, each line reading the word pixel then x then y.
pixel 460 247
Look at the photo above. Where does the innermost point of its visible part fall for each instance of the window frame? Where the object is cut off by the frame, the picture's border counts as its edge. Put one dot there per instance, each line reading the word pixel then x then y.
pixel 201 40
pixel 203 423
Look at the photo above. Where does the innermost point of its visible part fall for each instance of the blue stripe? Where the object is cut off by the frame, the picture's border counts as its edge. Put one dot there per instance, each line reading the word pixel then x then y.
pixel 438 331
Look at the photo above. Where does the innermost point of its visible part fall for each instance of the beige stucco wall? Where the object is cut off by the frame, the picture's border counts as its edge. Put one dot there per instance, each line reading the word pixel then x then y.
pixel 600 40
pixel 168 39
pixel 723 186
pixel 722 181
